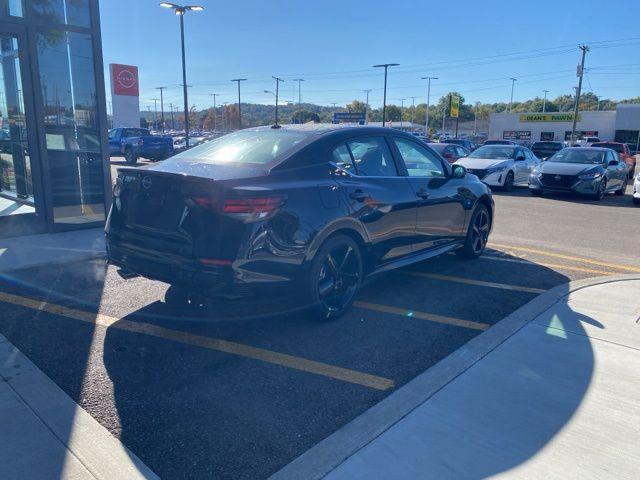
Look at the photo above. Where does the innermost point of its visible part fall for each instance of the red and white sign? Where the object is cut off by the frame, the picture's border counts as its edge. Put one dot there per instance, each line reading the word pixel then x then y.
pixel 124 79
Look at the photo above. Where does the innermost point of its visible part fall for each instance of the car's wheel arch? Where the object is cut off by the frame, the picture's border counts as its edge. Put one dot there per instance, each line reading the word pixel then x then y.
pixel 486 201
pixel 349 227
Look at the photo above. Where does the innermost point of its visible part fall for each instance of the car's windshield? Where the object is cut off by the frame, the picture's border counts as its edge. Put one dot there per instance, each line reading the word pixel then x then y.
pixel 618 147
pixel 494 151
pixel 581 155
pixel 247 146
pixel 547 145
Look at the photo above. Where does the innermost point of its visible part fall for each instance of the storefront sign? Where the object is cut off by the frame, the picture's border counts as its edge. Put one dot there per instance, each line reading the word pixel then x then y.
pixel 516 135
pixel 124 79
pixel 125 90
pixel 548 117
pixel 455 106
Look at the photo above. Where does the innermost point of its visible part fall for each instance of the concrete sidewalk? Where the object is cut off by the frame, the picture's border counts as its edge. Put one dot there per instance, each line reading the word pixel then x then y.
pixel 44 434
pixel 38 250
pixel 556 397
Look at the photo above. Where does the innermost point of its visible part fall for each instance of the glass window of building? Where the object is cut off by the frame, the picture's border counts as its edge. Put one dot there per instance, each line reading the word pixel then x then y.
pixel 72 135
pixel 69 12
pixel 13 8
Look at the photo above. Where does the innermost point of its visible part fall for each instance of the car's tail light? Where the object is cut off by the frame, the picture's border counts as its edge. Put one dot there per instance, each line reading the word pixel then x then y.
pixel 246 208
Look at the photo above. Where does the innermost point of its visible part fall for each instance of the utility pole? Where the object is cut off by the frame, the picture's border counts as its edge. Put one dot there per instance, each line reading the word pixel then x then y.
pixel 155 114
pixel 584 49
pixel 444 113
pixel 401 109
pixel 173 123
pixel 513 82
pixel 278 80
pixel 544 102
pixel 299 80
pixel 475 119
pixel 426 123
pixel 384 98
pixel 215 111
pixel 238 80
pixel 161 106
pixel 366 108
pixel 413 109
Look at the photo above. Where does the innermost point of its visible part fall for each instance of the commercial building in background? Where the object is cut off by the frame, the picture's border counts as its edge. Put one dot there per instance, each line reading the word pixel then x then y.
pixel 54 171
pixel 620 125
pixel 125 96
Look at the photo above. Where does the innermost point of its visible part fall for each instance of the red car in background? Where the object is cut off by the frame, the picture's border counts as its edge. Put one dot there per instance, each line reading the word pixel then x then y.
pixel 623 151
pixel 450 152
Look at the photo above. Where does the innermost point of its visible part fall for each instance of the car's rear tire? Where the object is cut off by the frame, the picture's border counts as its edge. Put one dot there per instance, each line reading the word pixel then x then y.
pixel 477 234
pixel 129 157
pixel 508 182
pixel 623 188
pixel 335 277
pixel 636 201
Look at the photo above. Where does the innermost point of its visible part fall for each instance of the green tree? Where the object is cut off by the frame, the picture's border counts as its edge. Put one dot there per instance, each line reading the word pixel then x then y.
pixel 357 106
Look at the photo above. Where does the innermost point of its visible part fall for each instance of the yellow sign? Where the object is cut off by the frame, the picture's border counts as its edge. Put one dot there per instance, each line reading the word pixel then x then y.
pixel 548 117
pixel 455 106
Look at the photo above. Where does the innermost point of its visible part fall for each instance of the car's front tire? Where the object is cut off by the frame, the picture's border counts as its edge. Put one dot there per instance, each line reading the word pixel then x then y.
pixel 335 277
pixel 508 182
pixel 535 192
pixel 129 157
pixel 477 234
pixel 623 188
pixel 602 189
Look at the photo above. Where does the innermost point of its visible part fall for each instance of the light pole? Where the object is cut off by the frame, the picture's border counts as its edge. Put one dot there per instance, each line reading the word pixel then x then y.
pixel 426 123
pixel 215 111
pixel 161 106
pixel 173 123
pixel 238 80
pixel 513 82
pixel 299 80
pixel 384 98
pixel 401 109
pixel 544 102
pixel 413 110
pixel 366 108
pixel 180 10
pixel 155 114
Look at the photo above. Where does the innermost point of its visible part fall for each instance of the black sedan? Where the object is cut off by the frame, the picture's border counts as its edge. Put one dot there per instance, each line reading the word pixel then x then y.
pixel 306 210
pixel 587 171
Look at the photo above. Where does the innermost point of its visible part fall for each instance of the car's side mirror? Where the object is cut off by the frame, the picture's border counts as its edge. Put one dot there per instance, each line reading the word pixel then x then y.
pixel 613 163
pixel 520 158
pixel 458 171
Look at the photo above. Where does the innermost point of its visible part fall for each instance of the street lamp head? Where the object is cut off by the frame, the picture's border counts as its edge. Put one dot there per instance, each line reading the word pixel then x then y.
pixel 428 78
pixel 386 65
pixel 180 9
pixel 194 8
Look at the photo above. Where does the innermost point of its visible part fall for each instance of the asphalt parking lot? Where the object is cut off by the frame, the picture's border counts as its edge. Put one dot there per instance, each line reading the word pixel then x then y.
pixel 241 391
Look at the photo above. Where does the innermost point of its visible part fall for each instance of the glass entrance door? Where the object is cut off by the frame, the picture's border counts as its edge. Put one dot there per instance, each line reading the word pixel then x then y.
pixel 21 210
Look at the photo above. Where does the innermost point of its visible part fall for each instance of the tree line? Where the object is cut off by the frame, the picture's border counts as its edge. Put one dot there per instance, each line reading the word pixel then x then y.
pixel 253 114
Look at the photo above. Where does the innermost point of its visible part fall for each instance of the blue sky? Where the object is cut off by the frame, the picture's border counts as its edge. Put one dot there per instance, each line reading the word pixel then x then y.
pixel 472 47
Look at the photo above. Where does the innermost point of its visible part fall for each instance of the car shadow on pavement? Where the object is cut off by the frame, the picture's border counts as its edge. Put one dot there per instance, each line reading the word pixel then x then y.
pixel 191 413
pixel 610 199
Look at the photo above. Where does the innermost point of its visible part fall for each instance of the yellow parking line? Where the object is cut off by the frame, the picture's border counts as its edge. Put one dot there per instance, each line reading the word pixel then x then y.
pixel 548 265
pixel 268 356
pixel 480 283
pixel 458 322
pixel 568 257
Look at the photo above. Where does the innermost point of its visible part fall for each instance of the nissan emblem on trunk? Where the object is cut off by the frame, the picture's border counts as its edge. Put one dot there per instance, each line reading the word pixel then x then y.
pixel 146 182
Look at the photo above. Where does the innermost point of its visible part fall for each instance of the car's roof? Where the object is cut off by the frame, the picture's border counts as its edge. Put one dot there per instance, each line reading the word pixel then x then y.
pixel 323 128
pixel 609 143
pixel 589 149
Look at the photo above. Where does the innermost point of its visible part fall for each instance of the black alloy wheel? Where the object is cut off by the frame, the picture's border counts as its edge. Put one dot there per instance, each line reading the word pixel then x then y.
pixel 336 276
pixel 508 182
pixel 602 189
pixel 477 234
pixel 129 157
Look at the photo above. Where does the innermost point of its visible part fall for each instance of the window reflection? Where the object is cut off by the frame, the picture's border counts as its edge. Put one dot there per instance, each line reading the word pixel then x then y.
pixel 67 79
pixel 70 12
pixel 16 186
pixel 11 7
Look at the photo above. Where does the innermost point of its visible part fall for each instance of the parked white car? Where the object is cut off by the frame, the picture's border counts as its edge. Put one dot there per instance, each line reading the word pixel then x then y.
pixel 501 165
pixel 636 190
pixel 586 141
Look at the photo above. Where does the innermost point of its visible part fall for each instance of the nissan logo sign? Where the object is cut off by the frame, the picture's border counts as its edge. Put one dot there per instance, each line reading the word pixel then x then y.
pixel 557 177
pixel 146 182
pixel 126 78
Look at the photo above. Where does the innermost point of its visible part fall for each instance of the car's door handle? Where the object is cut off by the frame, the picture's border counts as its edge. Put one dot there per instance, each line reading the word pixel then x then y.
pixel 358 195
pixel 422 193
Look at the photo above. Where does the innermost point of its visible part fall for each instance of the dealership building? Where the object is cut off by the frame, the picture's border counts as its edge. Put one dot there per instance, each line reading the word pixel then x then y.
pixel 620 125
pixel 54 169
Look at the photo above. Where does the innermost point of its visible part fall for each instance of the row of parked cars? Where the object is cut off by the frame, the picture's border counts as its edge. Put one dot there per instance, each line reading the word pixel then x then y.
pixel 550 167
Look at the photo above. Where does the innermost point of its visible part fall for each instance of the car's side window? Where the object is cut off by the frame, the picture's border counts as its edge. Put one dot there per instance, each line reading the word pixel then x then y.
pixel 372 157
pixel 342 159
pixel 419 161
pixel 461 151
pixel 112 134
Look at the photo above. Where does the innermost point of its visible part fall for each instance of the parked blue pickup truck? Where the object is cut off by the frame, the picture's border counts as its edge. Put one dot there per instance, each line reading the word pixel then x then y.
pixel 136 143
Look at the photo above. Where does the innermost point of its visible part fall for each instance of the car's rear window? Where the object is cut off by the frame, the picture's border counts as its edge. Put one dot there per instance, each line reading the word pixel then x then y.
pixel 247 146
pixel 613 146
pixel 547 145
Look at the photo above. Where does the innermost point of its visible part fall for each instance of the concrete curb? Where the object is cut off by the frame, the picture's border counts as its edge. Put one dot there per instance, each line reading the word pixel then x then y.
pixel 103 455
pixel 319 460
